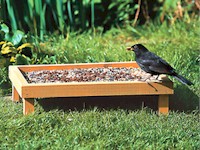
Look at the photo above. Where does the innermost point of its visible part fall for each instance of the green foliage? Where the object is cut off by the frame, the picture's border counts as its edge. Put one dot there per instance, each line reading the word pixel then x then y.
pixel 121 11
pixel 95 129
pixel 10 8
pixel 13 37
pixel 3 75
pixel 12 46
pixel 5 84
pixel 173 10
pixel 39 17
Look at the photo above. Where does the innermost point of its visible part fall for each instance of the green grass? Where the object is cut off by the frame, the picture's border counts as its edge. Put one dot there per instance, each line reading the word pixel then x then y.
pixel 96 129
pixel 117 128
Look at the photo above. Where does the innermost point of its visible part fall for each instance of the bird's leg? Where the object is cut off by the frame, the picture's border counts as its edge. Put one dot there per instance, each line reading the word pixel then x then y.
pixel 157 77
pixel 140 71
pixel 152 86
pixel 149 82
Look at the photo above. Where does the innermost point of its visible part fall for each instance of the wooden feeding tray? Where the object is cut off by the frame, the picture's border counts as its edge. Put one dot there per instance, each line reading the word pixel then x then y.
pixel 28 91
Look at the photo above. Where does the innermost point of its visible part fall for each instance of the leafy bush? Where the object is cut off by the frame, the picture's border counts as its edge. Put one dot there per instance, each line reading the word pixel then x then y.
pixel 40 17
pixel 12 46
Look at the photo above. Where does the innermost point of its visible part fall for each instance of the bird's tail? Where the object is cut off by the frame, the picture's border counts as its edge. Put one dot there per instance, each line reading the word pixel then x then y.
pixel 182 79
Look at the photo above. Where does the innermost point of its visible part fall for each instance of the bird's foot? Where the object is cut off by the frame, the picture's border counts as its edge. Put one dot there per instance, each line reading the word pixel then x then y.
pixel 158 79
pixel 146 79
pixel 150 78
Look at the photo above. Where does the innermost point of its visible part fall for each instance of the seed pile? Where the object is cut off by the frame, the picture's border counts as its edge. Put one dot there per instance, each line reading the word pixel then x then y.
pixel 87 75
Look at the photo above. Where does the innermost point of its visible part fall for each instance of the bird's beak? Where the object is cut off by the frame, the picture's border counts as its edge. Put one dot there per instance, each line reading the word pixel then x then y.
pixel 129 48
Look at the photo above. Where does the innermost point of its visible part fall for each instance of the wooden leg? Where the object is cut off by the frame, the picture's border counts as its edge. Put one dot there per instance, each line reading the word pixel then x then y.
pixel 15 95
pixel 163 104
pixel 28 106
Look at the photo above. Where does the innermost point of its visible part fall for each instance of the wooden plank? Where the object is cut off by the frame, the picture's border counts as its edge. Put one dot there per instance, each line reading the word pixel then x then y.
pixel 28 106
pixel 28 68
pixel 17 74
pixel 15 95
pixel 17 79
pixel 95 89
pixel 163 104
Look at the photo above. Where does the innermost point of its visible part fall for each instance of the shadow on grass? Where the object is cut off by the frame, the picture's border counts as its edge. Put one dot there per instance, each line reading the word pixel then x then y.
pixel 5 89
pixel 101 102
pixel 183 100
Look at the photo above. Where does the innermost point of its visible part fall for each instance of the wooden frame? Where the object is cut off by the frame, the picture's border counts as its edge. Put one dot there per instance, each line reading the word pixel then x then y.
pixel 21 88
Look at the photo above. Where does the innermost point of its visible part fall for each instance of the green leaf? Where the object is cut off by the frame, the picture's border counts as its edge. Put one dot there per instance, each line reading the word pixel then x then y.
pixel 16 37
pixel 59 9
pixel 53 59
pixel 136 6
pixel 4 28
pixel 92 13
pixel 3 31
pixel 21 60
pixel 11 14
pixel 70 12
pixel 112 5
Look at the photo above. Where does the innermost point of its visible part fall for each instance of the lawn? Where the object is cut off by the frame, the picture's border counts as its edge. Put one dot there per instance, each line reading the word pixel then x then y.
pixel 96 128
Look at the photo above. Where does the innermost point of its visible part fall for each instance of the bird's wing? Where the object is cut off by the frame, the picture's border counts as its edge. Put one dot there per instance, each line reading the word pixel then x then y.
pixel 161 66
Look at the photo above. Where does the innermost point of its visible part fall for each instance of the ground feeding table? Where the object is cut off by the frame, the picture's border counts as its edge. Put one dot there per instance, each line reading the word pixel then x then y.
pixel 28 91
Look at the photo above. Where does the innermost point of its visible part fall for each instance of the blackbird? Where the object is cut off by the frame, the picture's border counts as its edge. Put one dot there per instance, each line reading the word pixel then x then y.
pixel 153 64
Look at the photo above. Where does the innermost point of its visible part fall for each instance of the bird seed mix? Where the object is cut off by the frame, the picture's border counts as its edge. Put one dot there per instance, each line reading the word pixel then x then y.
pixel 88 75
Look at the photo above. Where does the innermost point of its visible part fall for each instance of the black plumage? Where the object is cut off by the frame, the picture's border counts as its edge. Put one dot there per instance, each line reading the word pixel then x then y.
pixel 153 64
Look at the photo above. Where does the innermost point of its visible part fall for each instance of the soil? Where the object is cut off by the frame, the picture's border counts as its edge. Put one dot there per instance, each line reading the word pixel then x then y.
pixel 88 75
